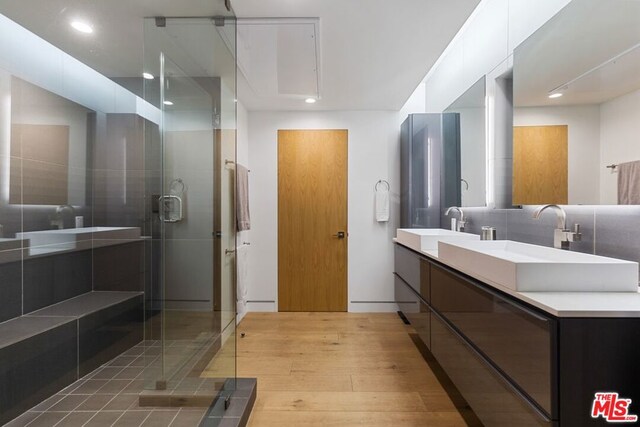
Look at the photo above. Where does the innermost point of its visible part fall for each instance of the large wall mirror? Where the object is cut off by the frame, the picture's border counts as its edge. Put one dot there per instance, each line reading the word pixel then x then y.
pixel 471 109
pixel 576 89
pixel 50 147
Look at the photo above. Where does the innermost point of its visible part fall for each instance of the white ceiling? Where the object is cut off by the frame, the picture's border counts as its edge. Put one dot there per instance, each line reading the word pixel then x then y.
pixel 584 36
pixel 116 47
pixel 373 53
pixel 280 57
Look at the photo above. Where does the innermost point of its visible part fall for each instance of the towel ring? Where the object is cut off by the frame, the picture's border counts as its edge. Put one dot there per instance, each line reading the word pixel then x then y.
pixel 381 181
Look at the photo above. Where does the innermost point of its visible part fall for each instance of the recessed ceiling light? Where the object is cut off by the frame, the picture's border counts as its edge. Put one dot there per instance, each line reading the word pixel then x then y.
pixel 310 100
pixel 168 103
pixel 555 95
pixel 148 76
pixel 83 27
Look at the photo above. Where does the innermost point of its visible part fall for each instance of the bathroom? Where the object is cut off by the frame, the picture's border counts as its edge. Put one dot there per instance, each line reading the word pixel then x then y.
pixel 204 204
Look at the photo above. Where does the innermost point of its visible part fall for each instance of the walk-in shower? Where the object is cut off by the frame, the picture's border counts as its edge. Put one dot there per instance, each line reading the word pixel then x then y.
pixel 117 207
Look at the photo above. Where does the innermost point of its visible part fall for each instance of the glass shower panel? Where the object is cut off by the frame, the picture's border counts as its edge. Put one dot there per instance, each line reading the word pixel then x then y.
pixel 191 209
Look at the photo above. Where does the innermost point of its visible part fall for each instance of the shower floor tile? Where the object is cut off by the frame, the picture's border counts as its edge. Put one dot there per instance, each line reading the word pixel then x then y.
pixel 108 396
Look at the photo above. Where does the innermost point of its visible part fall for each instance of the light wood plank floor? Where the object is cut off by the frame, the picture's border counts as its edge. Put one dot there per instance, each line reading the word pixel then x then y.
pixel 339 369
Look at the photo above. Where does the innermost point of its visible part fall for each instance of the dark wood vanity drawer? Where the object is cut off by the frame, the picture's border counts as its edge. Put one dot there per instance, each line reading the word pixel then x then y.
pixel 515 339
pixel 407 266
pixel 421 322
pixel 493 399
pixel 407 300
pixel 415 310
pixel 425 280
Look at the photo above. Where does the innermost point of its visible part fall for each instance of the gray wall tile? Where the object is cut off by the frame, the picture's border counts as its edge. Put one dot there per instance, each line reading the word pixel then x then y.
pixel 10 290
pixel 51 279
pixel 34 369
pixel 618 232
pixel 119 267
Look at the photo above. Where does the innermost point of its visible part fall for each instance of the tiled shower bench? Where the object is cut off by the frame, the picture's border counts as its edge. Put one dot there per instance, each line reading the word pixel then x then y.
pixel 46 350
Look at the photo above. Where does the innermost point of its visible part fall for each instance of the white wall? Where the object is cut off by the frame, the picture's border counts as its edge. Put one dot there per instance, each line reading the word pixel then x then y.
pixel 486 40
pixel 620 140
pixel 584 145
pixel 373 143
pixel 374 140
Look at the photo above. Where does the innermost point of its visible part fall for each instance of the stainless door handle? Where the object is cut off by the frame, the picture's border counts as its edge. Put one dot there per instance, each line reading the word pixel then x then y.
pixel 340 235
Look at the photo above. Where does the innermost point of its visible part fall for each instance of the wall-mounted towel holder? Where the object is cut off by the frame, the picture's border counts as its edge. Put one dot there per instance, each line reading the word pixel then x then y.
pixel 383 182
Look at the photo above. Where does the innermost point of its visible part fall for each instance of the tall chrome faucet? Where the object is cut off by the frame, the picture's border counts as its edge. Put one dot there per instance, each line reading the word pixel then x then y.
pixel 58 218
pixel 562 237
pixel 461 223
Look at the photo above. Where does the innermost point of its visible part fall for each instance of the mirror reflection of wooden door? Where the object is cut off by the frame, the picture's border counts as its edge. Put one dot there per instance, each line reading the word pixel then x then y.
pixel 540 165
pixel 312 220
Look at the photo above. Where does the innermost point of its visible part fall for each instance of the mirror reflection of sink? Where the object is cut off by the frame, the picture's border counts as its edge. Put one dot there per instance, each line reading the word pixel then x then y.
pixel 77 238
pixel 531 268
pixel 426 239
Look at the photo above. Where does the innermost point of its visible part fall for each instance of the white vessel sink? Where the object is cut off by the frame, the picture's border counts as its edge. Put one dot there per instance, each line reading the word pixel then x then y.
pixel 531 268
pixel 426 239
pixel 72 238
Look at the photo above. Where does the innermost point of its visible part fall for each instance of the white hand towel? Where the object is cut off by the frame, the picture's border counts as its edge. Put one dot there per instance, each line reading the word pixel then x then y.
pixel 382 205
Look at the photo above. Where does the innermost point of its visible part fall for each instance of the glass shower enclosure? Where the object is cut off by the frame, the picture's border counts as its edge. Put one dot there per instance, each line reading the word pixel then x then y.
pixel 190 77
pixel 117 204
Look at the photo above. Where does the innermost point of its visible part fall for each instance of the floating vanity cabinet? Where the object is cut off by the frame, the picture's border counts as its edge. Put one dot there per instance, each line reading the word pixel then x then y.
pixel 511 336
pixel 407 266
pixel 514 363
pixel 501 338
pixel 493 399
pixel 596 355
pixel 410 289
pixel 414 309
pixel 406 299
pixel 425 280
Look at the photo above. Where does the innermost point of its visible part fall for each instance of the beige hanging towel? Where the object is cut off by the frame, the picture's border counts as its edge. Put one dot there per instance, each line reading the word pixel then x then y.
pixel 629 183
pixel 242 198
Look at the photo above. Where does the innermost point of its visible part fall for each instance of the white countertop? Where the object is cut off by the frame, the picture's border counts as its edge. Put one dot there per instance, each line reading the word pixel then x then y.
pixel 567 304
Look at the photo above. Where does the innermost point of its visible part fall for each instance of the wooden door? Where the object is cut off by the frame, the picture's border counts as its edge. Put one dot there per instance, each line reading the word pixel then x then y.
pixel 540 165
pixel 312 210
